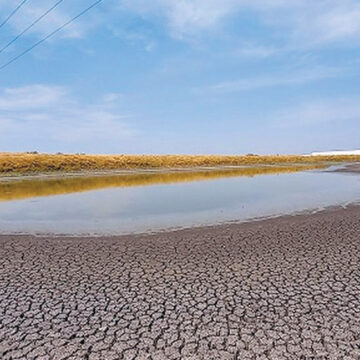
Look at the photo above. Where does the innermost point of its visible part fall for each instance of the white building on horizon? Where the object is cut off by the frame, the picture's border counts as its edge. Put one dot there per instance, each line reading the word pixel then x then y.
pixel 335 152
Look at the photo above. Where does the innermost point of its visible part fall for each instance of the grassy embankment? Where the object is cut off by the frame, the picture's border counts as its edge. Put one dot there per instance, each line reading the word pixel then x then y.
pixel 28 188
pixel 23 163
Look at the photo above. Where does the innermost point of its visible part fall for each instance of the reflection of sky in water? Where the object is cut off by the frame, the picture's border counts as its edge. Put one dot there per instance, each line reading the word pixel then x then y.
pixel 122 210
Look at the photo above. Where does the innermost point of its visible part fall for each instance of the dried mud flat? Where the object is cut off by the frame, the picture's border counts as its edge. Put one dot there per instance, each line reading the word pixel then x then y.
pixel 286 288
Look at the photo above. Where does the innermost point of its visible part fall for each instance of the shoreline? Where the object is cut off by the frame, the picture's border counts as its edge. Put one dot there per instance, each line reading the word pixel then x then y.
pixel 275 289
pixel 301 215
pixel 148 171
pixel 58 175
pixel 350 168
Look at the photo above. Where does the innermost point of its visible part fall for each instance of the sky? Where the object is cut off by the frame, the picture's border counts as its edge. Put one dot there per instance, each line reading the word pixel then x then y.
pixel 182 76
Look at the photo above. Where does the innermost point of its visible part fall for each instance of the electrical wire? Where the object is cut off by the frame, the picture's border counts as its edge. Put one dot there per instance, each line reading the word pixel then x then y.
pixel 50 35
pixel 31 25
pixel 13 13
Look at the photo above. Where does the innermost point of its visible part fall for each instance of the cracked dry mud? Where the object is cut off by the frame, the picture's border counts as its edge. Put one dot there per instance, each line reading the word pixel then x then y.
pixel 286 288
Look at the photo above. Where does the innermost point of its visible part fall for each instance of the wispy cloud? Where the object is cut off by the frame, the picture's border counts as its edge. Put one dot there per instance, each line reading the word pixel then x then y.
pixel 32 97
pixel 304 22
pixel 329 22
pixel 184 16
pixel 294 77
pixel 41 112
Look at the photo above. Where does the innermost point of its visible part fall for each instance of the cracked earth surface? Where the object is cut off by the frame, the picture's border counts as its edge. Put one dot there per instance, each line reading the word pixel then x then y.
pixel 285 288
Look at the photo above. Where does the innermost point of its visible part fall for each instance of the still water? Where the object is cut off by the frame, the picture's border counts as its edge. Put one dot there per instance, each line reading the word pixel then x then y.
pixel 150 202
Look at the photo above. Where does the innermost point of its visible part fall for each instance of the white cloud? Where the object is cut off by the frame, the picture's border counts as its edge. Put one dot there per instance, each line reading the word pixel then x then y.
pixel 326 22
pixel 199 14
pixel 295 77
pixel 308 21
pixel 41 113
pixel 184 16
pixel 31 97
pixel 302 22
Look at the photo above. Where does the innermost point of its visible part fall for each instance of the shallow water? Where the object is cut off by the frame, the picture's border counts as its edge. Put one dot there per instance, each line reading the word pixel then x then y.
pixel 151 202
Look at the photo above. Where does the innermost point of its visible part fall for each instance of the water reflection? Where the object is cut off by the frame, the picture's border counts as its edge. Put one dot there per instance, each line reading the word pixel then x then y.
pixel 123 204
pixel 31 188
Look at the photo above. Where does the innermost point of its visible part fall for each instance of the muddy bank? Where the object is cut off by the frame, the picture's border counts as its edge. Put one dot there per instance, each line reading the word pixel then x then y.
pixel 352 168
pixel 285 288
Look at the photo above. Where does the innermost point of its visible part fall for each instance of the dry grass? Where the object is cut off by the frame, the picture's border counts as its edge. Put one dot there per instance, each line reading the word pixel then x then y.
pixel 28 188
pixel 23 163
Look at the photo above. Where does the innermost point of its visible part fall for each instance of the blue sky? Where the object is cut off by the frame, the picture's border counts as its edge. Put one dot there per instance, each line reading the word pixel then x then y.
pixel 183 76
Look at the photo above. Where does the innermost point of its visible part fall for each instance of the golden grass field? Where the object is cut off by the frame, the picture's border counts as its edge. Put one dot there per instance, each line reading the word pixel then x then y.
pixel 24 163
pixel 28 188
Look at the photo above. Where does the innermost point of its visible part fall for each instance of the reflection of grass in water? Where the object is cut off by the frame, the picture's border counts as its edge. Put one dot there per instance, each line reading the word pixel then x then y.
pixel 22 189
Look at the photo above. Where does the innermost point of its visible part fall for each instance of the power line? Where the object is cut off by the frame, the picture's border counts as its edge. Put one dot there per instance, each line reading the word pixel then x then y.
pixel 31 25
pixel 13 13
pixel 50 35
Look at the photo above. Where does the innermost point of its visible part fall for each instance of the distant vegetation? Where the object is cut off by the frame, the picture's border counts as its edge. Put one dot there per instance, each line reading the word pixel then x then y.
pixel 28 188
pixel 30 163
